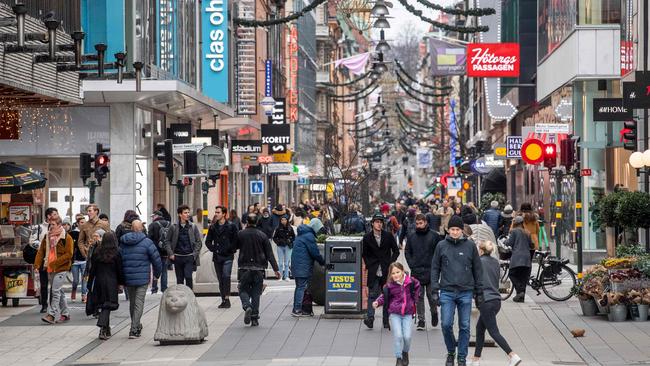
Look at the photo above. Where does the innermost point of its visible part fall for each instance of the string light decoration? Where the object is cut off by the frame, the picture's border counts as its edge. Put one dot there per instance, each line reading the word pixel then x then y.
pixel 361 120
pixel 356 98
pixel 371 133
pixel 31 119
pixel 405 147
pixel 476 12
pixel 271 22
pixel 362 77
pixel 401 68
pixel 360 91
pixel 402 114
pixel 416 129
pixel 410 94
pixel 443 26
pixel 405 83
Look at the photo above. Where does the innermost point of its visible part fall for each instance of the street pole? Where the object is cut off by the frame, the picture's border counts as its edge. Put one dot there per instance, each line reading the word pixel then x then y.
pixel 205 188
pixel 558 206
pixel 646 183
pixel 578 226
pixel 91 186
pixel 180 188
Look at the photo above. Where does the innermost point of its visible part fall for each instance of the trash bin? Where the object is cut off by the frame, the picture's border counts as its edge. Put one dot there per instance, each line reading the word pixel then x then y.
pixel 343 275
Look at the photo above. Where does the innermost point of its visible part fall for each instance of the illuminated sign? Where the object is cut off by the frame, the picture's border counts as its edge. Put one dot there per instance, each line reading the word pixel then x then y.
pixel 214 49
pixel 292 91
pixel 490 60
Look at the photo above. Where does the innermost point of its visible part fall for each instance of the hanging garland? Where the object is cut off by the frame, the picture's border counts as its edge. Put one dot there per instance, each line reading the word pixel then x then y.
pixel 399 66
pixel 416 130
pixel 349 82
pixel 403 83
pixel 360 121
pixel 410 94
pixel 444 26
pixel 406 148
pixel 370 134
pixel 378 153
pixel 476 12
pixel 355 99
pixel 267 23
pixel 353 94
pixel 409 120
pixel 367 128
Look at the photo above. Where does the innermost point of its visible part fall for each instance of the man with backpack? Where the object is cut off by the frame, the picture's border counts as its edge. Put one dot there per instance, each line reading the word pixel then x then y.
pixel 158 232
pixel 184 246
pixel 222 242
pixel 419 252
pixel 408 226
pixel 392 225
pixel 354 223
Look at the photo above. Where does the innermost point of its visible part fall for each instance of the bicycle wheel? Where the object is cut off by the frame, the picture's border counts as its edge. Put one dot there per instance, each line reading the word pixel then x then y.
pixel 505 285
pixel 557 285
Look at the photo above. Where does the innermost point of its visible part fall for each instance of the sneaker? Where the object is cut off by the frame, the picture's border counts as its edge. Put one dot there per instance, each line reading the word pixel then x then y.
pixel 84 298
pixel 434 319
pixel 135 334
pixel 255 323
pixel 154 291
pixel 296 314
pixel 514 360
pixel 421 325
pixel 132 335
pixel 225 304
pixel 73 295
pixel 475 363
pixel 519 298
pixel 43 310
pixel 64 318
pixel 48 319
pixel 405 358
pixel 369 322
pixel 462 363
pixel 247 315
pixel 450 359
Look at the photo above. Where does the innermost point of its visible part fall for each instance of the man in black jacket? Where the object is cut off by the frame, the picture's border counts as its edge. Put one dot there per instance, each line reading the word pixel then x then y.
pixel 379 251
pixel 420 247
pixel 255 254
pixel 457 265
pixel 222 242
pixel 154 232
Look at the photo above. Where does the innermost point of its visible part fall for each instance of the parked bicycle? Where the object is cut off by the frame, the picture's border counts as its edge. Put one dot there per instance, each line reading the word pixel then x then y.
pixel 553 277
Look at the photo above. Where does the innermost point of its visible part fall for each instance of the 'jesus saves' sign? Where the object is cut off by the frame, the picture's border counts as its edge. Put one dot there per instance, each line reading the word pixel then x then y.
pixel 341 282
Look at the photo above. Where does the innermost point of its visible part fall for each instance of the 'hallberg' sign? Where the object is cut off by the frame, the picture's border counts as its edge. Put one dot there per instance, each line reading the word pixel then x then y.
pixel 610 109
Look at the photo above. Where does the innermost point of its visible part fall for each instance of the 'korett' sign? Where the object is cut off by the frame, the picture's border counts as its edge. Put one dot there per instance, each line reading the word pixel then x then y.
pixel 493 60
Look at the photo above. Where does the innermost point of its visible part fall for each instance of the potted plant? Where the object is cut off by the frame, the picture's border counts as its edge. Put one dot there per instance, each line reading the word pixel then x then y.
pixel 591 288
pixel 632 212
pixel 617 303
pixel 639 304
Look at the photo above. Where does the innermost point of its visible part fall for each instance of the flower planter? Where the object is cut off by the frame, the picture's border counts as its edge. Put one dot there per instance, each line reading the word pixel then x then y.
pixel 617 313
pixel 639 313
pixel 602 310
pixel 589 307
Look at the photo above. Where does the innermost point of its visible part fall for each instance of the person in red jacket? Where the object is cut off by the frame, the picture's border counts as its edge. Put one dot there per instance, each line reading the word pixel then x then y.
pixel 399 297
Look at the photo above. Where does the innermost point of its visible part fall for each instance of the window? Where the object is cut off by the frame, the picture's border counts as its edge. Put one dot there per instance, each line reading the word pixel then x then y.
pixel 555 20
pixel 599 12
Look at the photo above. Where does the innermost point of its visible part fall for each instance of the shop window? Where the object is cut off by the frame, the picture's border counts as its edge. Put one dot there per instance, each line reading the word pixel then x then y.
pixel 555 20
pixel 599 12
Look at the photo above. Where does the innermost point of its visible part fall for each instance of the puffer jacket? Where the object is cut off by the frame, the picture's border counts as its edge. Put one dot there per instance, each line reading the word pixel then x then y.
pixel 456 266
pixel 139 254
pixel 305 252
pixel 420 247
pixel 401 301
pixel 492 218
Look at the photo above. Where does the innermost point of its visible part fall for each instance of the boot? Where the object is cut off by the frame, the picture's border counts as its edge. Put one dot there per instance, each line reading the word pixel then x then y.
pixel 73 295
pixel 519 297
pixel 434 319
pixel 369 322
pixel 405 358
pixel 399 362
pixel 225 304
pixel 108 331
pixel 102 334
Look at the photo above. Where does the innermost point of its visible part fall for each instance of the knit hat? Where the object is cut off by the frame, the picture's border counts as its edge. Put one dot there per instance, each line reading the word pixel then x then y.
pixel 508 209
pixel 315 224
pixel 411 212
pixel 385 207
pixel 494 204
pixel 469 219
pixel 456 221
pixel 100 232
pixel 518 220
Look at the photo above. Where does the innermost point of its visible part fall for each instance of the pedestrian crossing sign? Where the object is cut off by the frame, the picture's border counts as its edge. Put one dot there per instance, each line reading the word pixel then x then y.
pixel 257 187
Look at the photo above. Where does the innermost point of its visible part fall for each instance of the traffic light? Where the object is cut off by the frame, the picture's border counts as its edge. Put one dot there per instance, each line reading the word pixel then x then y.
pixel 165 154
pixel 567 153
pixel 85 166
pixel 102 162
pixel 629 135
pixel 550 156
pixel 190 162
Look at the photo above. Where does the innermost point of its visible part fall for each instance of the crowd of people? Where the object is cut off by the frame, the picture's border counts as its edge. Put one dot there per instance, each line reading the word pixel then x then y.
pixel 449 249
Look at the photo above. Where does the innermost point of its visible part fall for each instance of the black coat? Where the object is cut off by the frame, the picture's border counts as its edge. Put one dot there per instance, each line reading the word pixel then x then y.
pixel 420 247
pixel 154 234
pixel 284 236
pixel 255 250
pixel 375 256
pixel 222 241
pixel 103 281
pixel 521 245
pixel 266 225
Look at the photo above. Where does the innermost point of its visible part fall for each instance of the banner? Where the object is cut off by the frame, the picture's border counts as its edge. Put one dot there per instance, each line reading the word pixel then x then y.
pixel 214 49
pixel 447 58
pixel 493 60
pixel 425 158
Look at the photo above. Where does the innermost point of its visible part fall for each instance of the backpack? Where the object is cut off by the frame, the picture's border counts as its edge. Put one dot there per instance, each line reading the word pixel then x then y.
pixel 163 234
pixel 386 292
pixel 409 226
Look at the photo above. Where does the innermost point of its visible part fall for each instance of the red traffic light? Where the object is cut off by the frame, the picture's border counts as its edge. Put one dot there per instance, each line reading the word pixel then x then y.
pixel 550 151
pixel 102 160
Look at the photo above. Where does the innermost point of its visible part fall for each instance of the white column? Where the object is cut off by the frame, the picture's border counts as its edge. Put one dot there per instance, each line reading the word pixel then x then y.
pixel 122 177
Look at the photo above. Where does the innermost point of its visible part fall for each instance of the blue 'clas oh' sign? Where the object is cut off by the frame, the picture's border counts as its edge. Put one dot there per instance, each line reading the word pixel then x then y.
pixel 214 51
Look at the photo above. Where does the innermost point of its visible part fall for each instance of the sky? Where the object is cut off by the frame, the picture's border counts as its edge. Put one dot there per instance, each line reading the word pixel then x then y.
pixel 401 17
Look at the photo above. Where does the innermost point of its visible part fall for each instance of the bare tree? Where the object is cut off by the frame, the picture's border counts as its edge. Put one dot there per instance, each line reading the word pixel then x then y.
pixel 406 48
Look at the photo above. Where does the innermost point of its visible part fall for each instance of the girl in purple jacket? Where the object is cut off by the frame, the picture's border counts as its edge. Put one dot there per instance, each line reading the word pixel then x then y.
pixel 399 298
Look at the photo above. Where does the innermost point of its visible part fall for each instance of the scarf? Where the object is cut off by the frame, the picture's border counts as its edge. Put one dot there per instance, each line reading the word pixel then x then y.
pixel 53 237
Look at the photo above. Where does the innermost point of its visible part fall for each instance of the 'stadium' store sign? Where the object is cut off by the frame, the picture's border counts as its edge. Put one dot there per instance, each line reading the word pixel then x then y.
pixel 214 49
pixel 246 146
pixel 611 109
pixel 493 60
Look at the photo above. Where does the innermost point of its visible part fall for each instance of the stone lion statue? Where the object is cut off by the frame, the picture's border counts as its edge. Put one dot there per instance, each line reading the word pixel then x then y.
pixel 180 318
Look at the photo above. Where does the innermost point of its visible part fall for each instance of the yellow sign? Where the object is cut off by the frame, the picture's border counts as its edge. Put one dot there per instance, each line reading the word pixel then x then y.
pixel 558 204
pixel 500 151
pixel 578 223
pixel 558 215
pixel 282 158
pixel 460 193
pixel 330 188
pixel 578 204
pixel 16 284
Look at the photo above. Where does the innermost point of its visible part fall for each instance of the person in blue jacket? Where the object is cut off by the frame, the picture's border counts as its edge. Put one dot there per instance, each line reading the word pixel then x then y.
pixel 139 254
pixel 305 252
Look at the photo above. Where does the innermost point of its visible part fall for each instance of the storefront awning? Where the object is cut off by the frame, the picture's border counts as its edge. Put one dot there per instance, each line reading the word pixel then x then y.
pixel 170 96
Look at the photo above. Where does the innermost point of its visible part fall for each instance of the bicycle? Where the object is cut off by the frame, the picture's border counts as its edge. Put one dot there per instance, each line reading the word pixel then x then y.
pixel 553 277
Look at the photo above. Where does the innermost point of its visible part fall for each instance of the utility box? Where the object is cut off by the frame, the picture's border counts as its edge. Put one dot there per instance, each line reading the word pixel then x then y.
pixel 343 275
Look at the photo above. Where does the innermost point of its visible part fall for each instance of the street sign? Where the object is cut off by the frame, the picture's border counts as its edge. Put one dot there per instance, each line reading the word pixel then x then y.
pixel 302 181
pixel 283 157
pixel 532 151
pixel 278 168
pixel 552 128
pixel 211 160
pixel 180 148
pixel 513 147
pixel 257 187
pixel 585 172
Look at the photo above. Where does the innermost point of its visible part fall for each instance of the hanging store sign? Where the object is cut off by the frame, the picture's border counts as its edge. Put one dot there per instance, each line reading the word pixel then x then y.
pixel 180 133
pixel 513 147
pixel 493 60
pixel 500 151
pixel 610 109
pixel 552 128
pixel 447 58
pixel 246 146
pixel 142 187
pixel 636 94
pixel 532 151
pixel 214 49
pixel 424 158
pixel 279 113
pixel 280 168
pixel 277 137
pixel 20 213
pixel 268 80
pixel 246 61
pixel 292 90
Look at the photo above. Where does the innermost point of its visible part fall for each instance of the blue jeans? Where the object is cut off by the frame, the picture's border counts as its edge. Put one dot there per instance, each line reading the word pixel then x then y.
pixel 299 292
pixel 78 270
pixel 223 269
pixel 163 277
pixel 284 255
pixel 401 326
pixel 449 301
